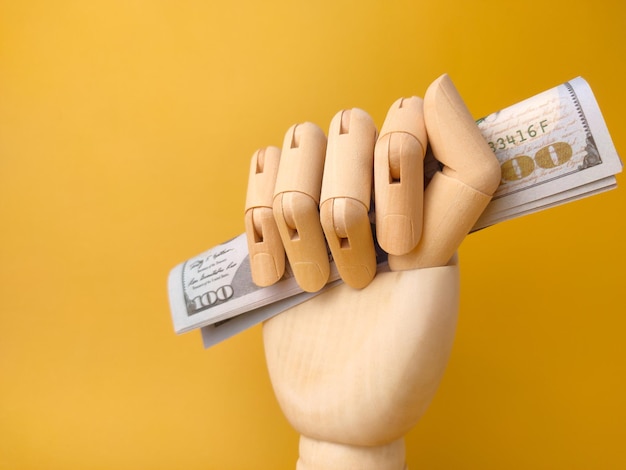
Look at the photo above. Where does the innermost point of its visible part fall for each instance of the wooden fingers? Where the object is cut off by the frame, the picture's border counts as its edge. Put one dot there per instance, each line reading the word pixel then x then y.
pixel 398 176
pixel 457 196
pixel 296 199
pixel 267 256
pixel 456 140
pixel 311 214
pixel 346 194
pixel 317 191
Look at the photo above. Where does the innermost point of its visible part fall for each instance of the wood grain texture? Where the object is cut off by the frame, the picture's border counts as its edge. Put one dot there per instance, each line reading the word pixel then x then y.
pixel 267 255
pixel 398 174
pixel 359 368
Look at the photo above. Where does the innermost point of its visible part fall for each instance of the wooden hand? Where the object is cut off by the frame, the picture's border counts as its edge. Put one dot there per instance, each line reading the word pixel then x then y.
pixel 354 368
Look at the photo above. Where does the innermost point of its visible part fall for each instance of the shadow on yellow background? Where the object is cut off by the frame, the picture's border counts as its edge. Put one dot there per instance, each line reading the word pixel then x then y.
pixel 125 134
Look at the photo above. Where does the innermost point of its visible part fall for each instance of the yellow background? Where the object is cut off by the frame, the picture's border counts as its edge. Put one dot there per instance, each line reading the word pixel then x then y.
pixel 126 128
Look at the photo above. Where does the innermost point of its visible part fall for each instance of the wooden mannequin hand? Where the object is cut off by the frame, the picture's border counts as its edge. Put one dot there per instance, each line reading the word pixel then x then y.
pixel 353 370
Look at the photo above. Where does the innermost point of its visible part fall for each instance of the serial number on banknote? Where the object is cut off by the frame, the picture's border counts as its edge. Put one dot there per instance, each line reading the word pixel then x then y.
pixel 518 136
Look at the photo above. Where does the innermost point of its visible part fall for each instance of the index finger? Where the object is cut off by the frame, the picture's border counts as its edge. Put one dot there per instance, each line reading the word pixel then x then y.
pixel 398 176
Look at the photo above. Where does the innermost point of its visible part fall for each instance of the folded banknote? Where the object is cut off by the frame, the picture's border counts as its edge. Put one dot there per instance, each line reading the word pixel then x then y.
pixel 553 148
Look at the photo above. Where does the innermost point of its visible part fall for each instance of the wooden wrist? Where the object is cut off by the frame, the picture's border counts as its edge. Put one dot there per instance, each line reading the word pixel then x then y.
pixel 321 455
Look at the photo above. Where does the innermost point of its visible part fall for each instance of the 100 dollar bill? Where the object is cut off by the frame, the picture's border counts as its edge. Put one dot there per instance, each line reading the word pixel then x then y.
pixel 552 148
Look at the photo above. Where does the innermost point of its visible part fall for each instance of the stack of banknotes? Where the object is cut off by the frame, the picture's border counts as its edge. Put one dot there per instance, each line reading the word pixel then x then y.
pixel 553 148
